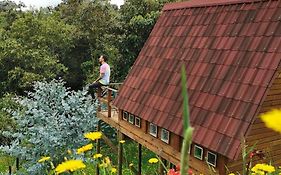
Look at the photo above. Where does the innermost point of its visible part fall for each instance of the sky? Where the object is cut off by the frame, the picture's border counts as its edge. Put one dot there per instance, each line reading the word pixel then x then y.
pixel 46 3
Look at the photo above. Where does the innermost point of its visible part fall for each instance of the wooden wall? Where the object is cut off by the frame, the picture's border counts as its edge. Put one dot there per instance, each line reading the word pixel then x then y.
pixel 267 140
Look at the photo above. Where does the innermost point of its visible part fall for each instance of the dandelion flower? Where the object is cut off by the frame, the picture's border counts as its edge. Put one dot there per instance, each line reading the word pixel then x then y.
pixel 272 119
pixel 97 156
pixel 85 148
pixel 93 135
pixel 153 160
pixel 71 165
pixel 258 168
pixel 43 159
pixel 113 170
pixel 122 141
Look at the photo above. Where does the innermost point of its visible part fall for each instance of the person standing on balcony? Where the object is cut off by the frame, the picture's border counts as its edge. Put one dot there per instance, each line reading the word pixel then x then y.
pixel 103 79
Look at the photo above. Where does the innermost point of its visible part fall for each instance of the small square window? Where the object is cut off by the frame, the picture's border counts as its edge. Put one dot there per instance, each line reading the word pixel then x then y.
pixel 212 158
pixel 198 152
pixel 138 122
pixel 125 116
pixel 153 129
pixel 165 135
pixel 131 118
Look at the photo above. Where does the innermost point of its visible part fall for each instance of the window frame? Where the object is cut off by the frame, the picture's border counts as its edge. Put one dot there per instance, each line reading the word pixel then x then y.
pixel 214 165
pixel 156 131
pixel 168 132
pixel 127 114
pixel 202 152
pixel 137 118
pixel 133 121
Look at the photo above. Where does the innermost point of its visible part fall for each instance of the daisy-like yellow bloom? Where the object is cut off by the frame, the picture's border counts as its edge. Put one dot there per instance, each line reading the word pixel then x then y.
pixel 122 141
pixel 259 168
pixel 93 135
pixel 97 156
pixel 113 170
pixel 70 165
pixel 43 159
pixel 153 160
pixel 272 119
pixel 85 148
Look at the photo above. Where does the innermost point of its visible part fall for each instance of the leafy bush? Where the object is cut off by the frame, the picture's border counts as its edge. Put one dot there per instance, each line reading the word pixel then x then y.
pixel 52 121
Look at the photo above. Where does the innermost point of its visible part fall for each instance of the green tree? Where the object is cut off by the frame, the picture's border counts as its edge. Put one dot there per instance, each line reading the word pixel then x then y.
pixel 32 49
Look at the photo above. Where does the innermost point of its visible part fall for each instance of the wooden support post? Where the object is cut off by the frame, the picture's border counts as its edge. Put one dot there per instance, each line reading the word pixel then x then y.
pixel 108 102
pixel 10 170
pixel 17 163
pixel 98 147
pixel 140 158
pixel 120 153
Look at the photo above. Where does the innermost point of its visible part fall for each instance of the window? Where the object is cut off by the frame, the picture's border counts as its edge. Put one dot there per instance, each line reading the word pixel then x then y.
pixel 153 129
pixel 165 135
pixel 212 159
pixel 198 152
pixel 125 116
pixel 131 118
pixel 138 122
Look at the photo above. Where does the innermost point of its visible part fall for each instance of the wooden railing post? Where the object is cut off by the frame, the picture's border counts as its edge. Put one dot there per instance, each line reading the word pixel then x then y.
pixel 99 96
pixel 109 92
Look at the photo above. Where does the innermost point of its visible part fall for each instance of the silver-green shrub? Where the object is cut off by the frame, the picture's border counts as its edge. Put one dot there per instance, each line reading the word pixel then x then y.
pixel 53 120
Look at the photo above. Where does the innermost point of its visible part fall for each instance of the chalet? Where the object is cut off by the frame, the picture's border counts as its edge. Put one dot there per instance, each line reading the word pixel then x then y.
pixel 232 51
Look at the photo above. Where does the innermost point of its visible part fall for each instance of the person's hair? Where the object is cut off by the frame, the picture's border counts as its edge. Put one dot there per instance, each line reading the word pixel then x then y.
pixel 104 58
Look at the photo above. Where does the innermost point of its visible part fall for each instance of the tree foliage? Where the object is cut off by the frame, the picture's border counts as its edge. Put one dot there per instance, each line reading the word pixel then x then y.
pixel 51 121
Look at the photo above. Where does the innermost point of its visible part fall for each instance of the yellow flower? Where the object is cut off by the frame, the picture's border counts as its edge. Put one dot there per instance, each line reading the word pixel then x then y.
pixel 272 119
pixel 85 148
pixel 131 164
pixel 260 168
pixel 97 156
pixel 122 141
pixel 107 160
pixel 103 165
pixel 231 174
pixel 113 170
pixel 93 135
pixel 71 165
pixel 43 159
pixel 153 160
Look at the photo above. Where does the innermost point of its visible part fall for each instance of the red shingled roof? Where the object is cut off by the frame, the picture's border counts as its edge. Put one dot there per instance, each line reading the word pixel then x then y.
pixel 231 50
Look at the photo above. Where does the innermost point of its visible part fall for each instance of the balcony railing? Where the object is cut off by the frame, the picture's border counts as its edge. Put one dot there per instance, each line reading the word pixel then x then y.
pixel 105 97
